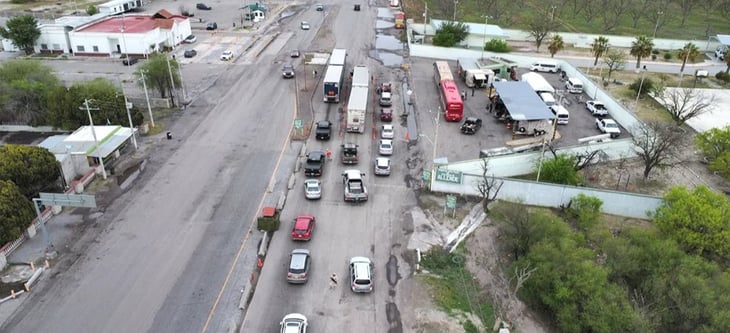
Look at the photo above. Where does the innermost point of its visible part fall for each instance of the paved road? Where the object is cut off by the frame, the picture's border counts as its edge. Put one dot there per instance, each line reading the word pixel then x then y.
pixel 374 229
pixel 169 244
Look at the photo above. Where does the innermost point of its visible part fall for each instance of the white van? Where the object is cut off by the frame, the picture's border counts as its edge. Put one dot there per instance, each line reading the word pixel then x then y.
pixel 574 86
pixel 545 66
pixel 561 113
pixel 548 98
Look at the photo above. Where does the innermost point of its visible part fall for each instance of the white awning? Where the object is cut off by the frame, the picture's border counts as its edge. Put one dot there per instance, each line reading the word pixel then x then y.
pixel 480 76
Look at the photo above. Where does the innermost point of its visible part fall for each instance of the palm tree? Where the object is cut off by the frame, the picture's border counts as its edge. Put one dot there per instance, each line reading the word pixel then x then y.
pixel 641 48
pixel 689 52
pixel 556 44
pixel 599 47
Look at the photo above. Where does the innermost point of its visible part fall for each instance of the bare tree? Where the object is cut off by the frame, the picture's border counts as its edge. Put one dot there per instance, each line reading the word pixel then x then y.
pixel 539 28
pixel 521 275
pixel 584 159
pixel 488 186
pixel 614 13
pixel 615 60
pixel 656 144
pixel 685 103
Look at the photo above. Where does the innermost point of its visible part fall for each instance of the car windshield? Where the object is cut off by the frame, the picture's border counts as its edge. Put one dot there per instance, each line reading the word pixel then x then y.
pixel 611 125
pixel 363 282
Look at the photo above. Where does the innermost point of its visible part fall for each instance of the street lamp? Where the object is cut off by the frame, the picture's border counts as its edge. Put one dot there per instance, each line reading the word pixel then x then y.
pixel 455 3
pixel 93 133
pixel 656 26
pixel 486 21
pixel 641 85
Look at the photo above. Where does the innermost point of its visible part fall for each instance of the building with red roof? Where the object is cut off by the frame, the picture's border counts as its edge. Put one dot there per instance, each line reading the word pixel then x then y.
pixel 111 36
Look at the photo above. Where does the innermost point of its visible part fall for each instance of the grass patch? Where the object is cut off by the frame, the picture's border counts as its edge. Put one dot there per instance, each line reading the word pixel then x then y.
pixel 454 288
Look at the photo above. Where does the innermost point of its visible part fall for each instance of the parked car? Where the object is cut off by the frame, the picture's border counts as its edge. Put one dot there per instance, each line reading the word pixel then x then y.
pixel 211 26
pixel 190 39
pixel 299 263
pixel 320 7
pixel 357 7
pixel 190 53
pixel 203 6
pixel 596 108
pixel 312 189
pixel 386 114
pixel 303 228
pixel 294 323
pixel 129 61
pixel 382 166
pixel 385 147
pixel 295 53
pixel 608 126
pixel 361 275
pixel 387 132
pixel 287 71
pixel 304 25
pixel 227 55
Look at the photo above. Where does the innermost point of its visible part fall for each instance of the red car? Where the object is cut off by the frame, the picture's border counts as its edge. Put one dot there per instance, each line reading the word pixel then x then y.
pixel 303 227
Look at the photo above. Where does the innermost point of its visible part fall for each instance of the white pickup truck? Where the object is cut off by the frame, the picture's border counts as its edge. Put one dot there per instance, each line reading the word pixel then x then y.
pixel 608 126
pixel 596 108
pixel 355 189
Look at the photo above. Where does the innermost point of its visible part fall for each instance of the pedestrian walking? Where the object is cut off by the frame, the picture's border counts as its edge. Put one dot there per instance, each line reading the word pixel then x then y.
pixel 472 91
pixel 333 281
pixel 329 155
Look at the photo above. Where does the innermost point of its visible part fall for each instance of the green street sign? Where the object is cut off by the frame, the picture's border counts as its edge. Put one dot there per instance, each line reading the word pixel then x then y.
pixel 448 176
pixel 450 201
pixel 298 124
pixel 426 175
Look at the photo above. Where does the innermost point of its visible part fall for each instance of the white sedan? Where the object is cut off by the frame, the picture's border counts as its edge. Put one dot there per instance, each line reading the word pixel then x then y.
pixel 385 147
pixel 294 323
pixel 304 25
pixel 312 189
pixel 387 132
pixel 227 55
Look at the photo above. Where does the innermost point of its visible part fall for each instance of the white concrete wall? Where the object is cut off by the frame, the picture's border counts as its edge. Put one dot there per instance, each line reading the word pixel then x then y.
pixel 553 195
pixel 55 38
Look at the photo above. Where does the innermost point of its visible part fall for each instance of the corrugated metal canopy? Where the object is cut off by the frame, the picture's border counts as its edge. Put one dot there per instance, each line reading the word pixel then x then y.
pixel 521 101
pixel 724 39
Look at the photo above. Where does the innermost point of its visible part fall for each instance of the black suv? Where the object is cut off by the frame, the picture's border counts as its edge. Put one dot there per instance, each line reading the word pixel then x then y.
pixel 324 130
pixel 203 6
pixel 129 61
pixel 315 164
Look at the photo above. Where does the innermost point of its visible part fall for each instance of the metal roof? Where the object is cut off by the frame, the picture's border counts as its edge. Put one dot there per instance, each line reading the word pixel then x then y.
pixel 724 39
pixel 521 101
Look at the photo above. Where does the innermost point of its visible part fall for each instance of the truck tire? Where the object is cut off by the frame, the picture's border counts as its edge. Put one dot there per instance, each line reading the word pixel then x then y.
pixel 522 130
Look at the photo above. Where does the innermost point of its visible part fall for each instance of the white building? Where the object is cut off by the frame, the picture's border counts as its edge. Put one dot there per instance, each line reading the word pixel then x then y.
pixel 77 152
pixel 119 6
pixel 103 35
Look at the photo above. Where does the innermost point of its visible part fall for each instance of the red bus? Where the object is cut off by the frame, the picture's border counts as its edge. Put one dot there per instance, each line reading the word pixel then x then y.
pixel 449 96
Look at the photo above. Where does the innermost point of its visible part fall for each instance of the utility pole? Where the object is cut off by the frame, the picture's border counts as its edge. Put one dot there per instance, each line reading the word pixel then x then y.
pixel 96 141
pixel 182 85
pixel 147 96
pixel 129 116
pixel 172 82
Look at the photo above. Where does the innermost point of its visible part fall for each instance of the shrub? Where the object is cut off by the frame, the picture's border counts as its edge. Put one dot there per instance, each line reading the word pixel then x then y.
pixel 646 87
pixel 92 10
pixel 585 210
pixel 723 76
pixel 654 51
pixel 497 45
pixel 667 56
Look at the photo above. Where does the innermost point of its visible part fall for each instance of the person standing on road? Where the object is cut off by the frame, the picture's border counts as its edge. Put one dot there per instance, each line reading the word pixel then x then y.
pixel 329 154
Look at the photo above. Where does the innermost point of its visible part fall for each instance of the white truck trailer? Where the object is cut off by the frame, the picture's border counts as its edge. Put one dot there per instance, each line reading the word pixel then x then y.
pixel 357 105
pixel 473 76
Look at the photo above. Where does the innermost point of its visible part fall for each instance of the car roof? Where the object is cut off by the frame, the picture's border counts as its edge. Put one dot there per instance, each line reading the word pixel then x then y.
pixel 324 123
pixel 386 142
pixel 383 161
pixel 302 221
pixel 388 127
pixel 315 154
pixel 353 174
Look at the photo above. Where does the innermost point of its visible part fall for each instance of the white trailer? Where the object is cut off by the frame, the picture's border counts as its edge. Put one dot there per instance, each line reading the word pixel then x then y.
pixel 360 76
pixel 338 57
pixel 357 108
pixel 537 82
pixel 473 75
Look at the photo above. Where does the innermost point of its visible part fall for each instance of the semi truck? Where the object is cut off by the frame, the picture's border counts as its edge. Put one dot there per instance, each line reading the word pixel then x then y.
pixel 333 83
pixel 357 105
pixel 472 74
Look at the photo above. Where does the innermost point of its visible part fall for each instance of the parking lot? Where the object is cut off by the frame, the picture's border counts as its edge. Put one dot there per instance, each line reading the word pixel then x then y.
pixel 494 133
